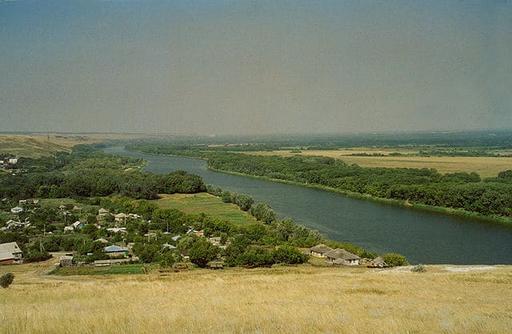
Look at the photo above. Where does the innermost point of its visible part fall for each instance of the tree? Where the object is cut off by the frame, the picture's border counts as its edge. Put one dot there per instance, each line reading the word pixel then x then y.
pixel 167 260
pixel 202 252
pixel 226 197
pixel 6 280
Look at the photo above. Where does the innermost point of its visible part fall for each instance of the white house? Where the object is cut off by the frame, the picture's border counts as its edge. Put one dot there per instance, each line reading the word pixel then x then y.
pixel 10 253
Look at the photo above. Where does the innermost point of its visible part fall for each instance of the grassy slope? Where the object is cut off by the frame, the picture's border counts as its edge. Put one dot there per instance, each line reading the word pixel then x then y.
pixel 203 202
pixel 485 166
pixel 278 300
pixel 39 145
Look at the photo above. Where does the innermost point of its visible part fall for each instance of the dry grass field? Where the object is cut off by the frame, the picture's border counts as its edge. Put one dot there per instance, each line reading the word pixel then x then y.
pixel 279 300
pixel 485 166
pixel 40 145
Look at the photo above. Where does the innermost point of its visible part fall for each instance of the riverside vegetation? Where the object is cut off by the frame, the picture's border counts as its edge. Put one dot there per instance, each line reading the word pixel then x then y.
pixel 462 193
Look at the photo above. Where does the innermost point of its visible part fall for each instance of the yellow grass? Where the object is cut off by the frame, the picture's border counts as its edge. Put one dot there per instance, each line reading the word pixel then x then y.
pixel 280 300
pixel 40 145
pixel 485 166
pixel 205 203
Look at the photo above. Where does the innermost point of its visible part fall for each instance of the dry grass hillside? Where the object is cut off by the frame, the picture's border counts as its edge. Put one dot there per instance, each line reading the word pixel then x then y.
pixel 280 300
pixel 40 145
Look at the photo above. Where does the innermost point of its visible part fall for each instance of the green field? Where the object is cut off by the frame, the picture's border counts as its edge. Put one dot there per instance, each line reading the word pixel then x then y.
pixel 205 203
pixel 110 270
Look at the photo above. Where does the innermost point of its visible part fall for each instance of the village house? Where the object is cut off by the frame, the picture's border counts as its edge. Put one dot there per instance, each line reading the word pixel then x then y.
pixel 14 225
pixel 120 218
pixel 117 230
pixel 17 210
pixel 10 253
pixel 150 235
pixel 214 241
pixel 66 261
pixel 115 251
pixel 319 250
pixel 168 246
pixel 342 257
pixel 103 212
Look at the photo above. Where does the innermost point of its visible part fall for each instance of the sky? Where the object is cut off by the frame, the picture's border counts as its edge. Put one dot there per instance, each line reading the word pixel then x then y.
pixel 255 67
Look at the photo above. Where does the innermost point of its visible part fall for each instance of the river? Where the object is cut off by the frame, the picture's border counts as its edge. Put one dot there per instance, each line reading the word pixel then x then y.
pixel 423 237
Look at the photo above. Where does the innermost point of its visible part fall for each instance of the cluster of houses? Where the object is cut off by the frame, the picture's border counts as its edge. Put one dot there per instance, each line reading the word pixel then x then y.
pixel 12 224
pixel 8 162
pixel 10 253
pixel 339 256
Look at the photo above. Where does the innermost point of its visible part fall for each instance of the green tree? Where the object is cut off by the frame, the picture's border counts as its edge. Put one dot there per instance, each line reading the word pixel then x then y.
pixel 202 252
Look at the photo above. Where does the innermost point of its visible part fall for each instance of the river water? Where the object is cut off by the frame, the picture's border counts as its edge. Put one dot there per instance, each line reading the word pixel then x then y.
pixel 423 237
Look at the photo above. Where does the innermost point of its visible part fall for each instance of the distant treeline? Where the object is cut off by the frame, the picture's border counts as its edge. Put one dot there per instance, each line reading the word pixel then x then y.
pixel 467 191
pixel 483 138
pixel 86 172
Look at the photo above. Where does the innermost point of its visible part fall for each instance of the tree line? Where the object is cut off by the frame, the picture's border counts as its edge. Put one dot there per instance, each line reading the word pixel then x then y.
pixel 85 173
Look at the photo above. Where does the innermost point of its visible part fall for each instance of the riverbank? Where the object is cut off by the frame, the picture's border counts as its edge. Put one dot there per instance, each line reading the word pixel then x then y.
pixel 504 221
pixel 454 212
pixel 299 299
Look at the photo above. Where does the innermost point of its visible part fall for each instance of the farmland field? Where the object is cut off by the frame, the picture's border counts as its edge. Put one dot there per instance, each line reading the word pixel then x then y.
pixel 205 203
pixel 445 299
pixel 485 166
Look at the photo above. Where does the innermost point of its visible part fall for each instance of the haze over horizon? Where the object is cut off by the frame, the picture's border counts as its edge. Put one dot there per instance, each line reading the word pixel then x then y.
pixel 255 67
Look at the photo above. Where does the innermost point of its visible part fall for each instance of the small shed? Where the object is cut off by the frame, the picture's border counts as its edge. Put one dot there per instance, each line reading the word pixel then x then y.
pixel 66 261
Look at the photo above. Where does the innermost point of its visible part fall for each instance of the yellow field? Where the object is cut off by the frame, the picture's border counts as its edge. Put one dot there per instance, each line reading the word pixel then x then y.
pixel 280 300
pixel 205 203
pixel 40 145
pixel 37 145
pixel 485 166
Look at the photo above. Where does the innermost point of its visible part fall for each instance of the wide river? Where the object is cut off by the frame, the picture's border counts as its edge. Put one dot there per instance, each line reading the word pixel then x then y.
pixel 423 237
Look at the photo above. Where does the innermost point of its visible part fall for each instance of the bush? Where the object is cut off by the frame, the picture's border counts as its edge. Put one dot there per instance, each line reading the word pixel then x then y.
pixel 419 269
pixel 6 280
pixel 35 255
pixel 395 260
pixel 288 255
pixel 256 257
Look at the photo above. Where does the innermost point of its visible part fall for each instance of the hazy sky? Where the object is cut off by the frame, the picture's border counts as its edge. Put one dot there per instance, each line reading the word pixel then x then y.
pixel 235 67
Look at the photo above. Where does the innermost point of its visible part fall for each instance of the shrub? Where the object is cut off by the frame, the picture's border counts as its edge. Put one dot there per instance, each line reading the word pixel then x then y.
pixel 35 255
pixel 288 255
pixel 419 269
pixel 6 280
pixel 395 260
pixel 256 257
